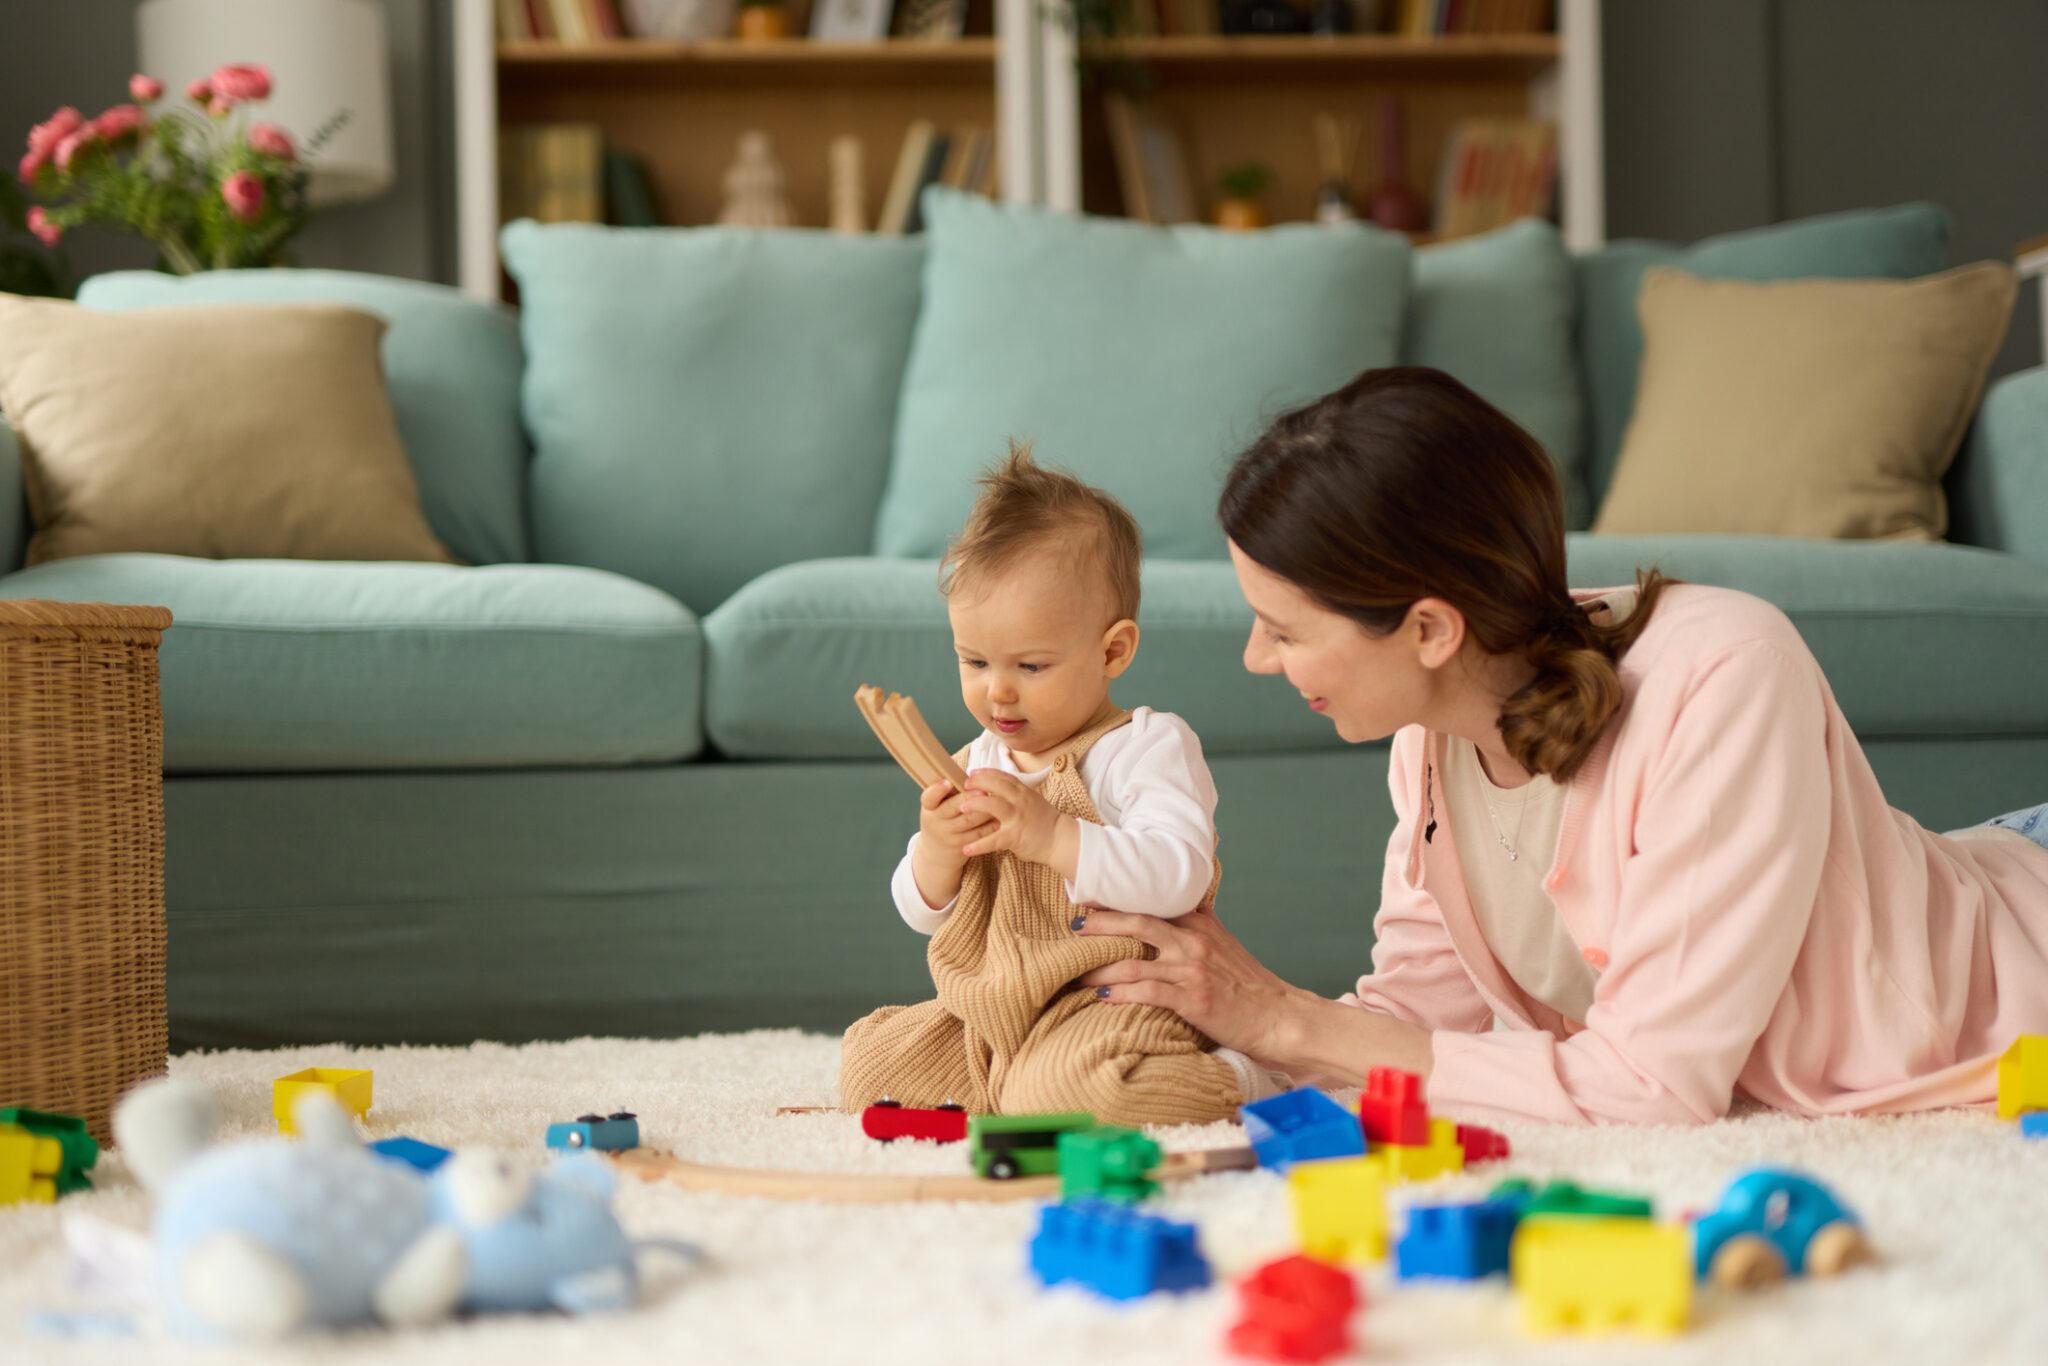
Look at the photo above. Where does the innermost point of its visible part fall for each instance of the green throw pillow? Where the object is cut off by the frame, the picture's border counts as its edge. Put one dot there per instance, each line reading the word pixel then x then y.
pixel 1142 359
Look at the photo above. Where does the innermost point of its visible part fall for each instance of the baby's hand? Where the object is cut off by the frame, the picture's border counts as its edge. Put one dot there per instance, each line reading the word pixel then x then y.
pixel 941 821
pixel 1026 824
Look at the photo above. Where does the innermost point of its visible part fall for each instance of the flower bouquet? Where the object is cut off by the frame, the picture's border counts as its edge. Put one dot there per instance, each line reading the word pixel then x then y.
pixel 211 189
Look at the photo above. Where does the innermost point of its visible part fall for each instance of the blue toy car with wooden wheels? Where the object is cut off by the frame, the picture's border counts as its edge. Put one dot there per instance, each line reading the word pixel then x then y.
pixel 1772 1223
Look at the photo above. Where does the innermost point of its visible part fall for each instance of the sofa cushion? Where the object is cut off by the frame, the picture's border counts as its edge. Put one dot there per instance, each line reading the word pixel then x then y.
pixel 287 665
pixel 1497 312
pixel 451 368
pixel 1896 243
pixel 1916 640
pixel 709 403
pixel 1804 407
pixel 1140 358
pixel 786 652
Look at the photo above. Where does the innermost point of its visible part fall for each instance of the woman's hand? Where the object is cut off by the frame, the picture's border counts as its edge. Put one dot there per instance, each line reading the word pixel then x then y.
pixel 1205 976
pixel 1202 974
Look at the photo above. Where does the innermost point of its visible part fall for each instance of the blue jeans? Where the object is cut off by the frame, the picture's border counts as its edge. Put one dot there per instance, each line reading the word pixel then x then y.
pixel 2030 821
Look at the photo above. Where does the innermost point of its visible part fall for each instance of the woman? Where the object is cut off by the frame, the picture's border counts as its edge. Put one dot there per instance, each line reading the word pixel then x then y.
pixel 1641 866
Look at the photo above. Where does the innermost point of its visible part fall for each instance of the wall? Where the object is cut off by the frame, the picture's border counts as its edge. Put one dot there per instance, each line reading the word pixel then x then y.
pixel 1739 112
pixel 81 52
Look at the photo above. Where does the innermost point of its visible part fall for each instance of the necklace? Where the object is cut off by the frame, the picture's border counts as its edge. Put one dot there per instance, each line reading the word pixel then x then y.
pixel 1493 814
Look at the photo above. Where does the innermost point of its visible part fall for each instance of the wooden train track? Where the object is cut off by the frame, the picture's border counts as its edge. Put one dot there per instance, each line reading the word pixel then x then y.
pixel 859 1188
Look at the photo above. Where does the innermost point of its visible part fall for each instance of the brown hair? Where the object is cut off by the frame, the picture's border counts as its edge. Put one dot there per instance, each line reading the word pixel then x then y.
pixel 1404 484
pixel 1025 507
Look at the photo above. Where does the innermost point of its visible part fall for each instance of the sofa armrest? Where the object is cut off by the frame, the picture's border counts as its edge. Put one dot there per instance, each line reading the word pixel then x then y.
pixel 1998 491
pixel 14 525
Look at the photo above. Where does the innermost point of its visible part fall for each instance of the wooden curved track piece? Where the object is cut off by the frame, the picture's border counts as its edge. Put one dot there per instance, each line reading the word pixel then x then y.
pixel 857 1188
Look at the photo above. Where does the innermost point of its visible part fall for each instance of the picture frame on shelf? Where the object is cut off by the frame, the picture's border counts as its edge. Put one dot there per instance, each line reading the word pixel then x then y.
pixel 1151 163
pixel 929 21
pixel 850 21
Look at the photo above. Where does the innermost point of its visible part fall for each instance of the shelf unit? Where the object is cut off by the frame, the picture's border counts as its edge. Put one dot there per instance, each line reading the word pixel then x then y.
pixel 682 106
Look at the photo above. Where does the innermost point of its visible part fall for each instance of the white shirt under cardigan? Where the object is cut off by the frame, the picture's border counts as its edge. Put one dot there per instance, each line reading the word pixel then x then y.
pixel 1154 852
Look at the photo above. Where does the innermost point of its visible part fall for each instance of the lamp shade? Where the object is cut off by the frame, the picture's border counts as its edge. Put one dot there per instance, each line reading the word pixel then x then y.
pixel 325 56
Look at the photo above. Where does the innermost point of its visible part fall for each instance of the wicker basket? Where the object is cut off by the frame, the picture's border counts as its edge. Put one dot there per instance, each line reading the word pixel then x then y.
pixel 81 855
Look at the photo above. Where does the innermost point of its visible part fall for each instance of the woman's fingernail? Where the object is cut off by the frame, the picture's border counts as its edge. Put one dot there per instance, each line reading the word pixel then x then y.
pixel 1077 922
pixel 1102 993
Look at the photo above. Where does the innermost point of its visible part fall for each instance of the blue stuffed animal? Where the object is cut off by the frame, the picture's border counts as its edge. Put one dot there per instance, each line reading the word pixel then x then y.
pixel 259 1240
pixel 542 1241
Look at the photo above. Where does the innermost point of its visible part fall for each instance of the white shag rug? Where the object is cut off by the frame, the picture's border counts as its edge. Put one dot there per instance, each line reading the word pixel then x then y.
pixel 1956 1202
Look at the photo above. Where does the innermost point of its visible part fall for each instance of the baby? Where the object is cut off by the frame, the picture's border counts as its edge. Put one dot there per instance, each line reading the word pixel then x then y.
pixel 1071 802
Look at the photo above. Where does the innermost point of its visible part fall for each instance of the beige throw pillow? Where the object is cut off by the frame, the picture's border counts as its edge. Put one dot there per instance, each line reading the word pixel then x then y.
pixel 1825 408
pixel 234 432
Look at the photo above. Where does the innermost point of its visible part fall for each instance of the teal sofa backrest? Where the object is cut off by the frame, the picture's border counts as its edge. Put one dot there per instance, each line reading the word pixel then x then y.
pixel 453 368
pixel 707 404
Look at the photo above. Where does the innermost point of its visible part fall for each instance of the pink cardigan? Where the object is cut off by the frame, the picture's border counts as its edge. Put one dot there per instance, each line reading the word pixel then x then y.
pixel 1764 924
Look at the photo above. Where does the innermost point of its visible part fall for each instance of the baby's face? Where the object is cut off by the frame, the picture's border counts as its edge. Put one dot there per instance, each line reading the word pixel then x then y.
pixel 1035 661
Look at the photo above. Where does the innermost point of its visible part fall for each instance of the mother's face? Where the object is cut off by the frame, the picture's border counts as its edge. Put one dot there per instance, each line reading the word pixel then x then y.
pixel 1369 687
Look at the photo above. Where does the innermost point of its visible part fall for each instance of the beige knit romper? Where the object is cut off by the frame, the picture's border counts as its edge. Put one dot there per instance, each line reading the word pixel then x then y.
pixel 1010 1031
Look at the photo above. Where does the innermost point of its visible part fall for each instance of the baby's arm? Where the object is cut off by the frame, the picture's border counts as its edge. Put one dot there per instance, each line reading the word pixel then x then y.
pixel 1159 858
pixel 917 913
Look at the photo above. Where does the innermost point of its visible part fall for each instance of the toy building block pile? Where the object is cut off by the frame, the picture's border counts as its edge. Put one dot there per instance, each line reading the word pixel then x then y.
pixel 2023 1084
pixel 43 1155
pixel 901 728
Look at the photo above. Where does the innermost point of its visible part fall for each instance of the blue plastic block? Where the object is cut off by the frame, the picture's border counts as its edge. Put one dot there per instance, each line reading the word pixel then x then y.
pixel 1462 1242
pixel 2034 1124
pixel 1116 1251
pixel 411 1151
pixel 1298 1126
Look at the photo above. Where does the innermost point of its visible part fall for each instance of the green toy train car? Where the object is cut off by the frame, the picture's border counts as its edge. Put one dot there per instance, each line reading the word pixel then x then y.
pixel 1004 1146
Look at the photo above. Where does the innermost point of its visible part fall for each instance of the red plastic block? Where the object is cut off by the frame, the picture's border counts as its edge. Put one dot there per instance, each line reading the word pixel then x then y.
pixel 1295 1309
pixel 1391 1109
pixel 1481 1144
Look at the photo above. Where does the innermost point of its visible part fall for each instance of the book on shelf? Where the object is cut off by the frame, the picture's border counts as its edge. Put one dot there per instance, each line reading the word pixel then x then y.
pixel 1495 171
pixel 558 21
pixel 964 159
pixel 1436 18
pixel 552 172
pixel 629 200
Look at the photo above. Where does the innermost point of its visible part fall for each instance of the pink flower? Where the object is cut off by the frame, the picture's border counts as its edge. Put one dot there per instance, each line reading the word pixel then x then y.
pixel 145 89
pixel 244 195
pixel 44 137
pixel 272 141
pixel 30 164
pixel 199 92
pixel 119 121
pixel 242 83
pixel 39 223
pixel 220 107
pixel 68 148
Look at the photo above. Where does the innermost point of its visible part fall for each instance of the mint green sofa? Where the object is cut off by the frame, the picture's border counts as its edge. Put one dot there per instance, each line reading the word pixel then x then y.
pixel 609 779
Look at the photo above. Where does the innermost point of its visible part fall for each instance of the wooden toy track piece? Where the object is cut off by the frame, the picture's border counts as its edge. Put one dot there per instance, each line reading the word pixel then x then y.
pixel 901 728
pixel 855 1188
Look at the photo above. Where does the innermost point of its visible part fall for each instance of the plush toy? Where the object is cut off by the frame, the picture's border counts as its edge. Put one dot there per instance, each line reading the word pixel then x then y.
pixel 259 1240
pixel 541 1241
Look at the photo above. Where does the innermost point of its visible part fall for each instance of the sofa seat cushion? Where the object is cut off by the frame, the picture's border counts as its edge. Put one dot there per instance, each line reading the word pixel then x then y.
pixel 787 651
pixel 1916 640
pixel 282 665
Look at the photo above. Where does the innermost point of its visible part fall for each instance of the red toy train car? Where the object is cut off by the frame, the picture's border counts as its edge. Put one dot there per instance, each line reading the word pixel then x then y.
pixel 888 1119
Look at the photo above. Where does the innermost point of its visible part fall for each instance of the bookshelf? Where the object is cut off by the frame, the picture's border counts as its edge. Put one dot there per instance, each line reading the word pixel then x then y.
pixel 681 106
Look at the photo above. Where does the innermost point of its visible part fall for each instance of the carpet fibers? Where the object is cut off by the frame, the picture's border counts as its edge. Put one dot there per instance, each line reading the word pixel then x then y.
pixel 1956 1203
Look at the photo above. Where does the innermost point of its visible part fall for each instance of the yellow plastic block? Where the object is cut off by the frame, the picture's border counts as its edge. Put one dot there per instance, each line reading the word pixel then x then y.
pixel 1601 1275
pixel 350 1086
pixel 1340 1208
pixel 29 1164
pixel 2023 1076
pixel 1444 1155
